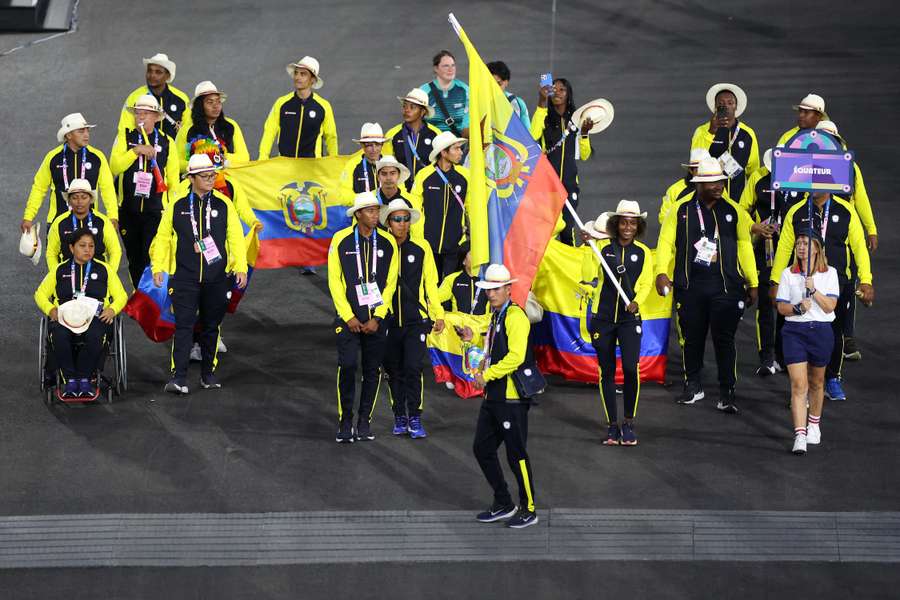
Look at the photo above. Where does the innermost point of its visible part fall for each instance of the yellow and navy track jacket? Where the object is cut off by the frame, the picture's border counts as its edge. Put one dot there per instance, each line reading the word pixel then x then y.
pixel 49 175
pixel 563 158
pixel 681 230
pixel 674 193
pixel 124 163
pixel 302 128
pixel 417 285
pixel 235 149
pixel 173 101
pixel 443 222
pixel 843 235
pixel 414 155
pixel 744 148
pixel 231 190
pixel 757 201
pixel 103 285
pixel 509 351
pixel 343 275
pixel 637 259
pixel 172 250
pixel 458 293
pixel 358 176
pixel 106 242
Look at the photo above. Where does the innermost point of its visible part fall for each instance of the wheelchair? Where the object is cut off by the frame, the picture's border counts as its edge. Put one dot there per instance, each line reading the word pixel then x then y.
pixel 107 385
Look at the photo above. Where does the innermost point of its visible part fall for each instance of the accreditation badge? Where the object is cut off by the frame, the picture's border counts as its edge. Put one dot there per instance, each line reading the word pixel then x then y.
pixel 730 166
pixel 210 251
pixel 706 252
pixel 368 294
pixel 143 183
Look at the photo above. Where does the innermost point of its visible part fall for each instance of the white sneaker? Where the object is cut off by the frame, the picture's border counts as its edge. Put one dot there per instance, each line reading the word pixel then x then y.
pixel 221 346
pixel 778 368
pixel 813 433
pixel 196 355
pixel 799 444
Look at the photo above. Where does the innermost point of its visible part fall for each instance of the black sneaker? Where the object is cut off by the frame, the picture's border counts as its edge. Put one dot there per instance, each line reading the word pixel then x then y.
pixel 177 385
pixel 851 352
pixel 726 402
pixel 692 393
pixel 524 518
pixel 209 381
pixel 497 513
pixel 345 433
pixel 363 432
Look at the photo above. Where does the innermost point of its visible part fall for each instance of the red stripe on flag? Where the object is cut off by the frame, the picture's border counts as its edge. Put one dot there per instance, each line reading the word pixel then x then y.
pixel 286 252
pixel 461 387
pixel 576 367
pixel 145 311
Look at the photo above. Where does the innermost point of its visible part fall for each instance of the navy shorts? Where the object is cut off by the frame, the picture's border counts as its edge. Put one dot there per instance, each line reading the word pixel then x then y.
pixel 810 342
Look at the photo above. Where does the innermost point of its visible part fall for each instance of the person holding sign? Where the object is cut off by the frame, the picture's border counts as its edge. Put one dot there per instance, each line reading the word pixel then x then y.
pixel 842 235
pixel 414 307
pixel 439 191
pixel 807 295
pixel 199 240
pixel 564 142
pixel 506 369
pixel 729 140
pixel 615 321
pixel 362 273
pixel 714 277
pixel 145 162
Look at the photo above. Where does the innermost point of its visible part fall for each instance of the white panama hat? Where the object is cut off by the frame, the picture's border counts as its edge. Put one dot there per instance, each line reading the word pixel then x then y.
pixel 600 111
pixel 628 208
pixel 76 315
pixel 708 170
pixel 69 123
pixel 727 87
pixel 420 97
pixel 30 243
pixel 80 185
pixel 495 276
pixel 362 200
pixel 767 159
pixel 390 161
pixel 200 163
pixel 828 127
pixel 146 102
pixel 206 88
pixel 597 228
pixel 163 61
pixel 396 205
pixel 371 132
pixel 812 102
pixel 310 64
pixel 697 154
pixel 442 141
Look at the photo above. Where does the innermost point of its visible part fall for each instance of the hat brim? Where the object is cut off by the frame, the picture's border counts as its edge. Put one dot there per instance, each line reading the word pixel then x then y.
pixel 317 84
pixel 643 215
pixel 369 140
pixel 812 108
pixel 436 151
pixel 93 194
pixel 222 96
pixel 404 171
pixel 708 178
pixel 767 159
pixel 591 231
pixel 429 110
pixel 493 285
pixel 353 209
pixel 211 169
pixel 168 65
pixel 61 133
pixel 386 212
pixel 727 87
pixel 600 111
pixel 689 165
pixel 75 326
pixel 159 112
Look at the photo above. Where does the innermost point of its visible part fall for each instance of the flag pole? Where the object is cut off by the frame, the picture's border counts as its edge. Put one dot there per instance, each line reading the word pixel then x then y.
pixel 552 34
pixel 609 273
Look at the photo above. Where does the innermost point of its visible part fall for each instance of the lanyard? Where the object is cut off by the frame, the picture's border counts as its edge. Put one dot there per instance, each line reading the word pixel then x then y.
pixel 359 269
pixel 365 170
pixel 703 224
pixel 443 177
pixel 824 219
pixel 65 164
pixel 495 322
pixel 142 163
pixel 90 221
pixel 194 220
pixel 84 281
pixel 412 140
pixel 572 128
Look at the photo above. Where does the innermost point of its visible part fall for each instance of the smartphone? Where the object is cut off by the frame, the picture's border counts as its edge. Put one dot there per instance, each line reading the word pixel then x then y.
pixel 721 112
pixel 547 81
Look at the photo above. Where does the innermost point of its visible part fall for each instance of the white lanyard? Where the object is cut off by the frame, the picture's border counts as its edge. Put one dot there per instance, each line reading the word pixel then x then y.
pixel 703 224
pixel 65 165
pixel 90 221
pixel 365 170
pixel 359 269
pixel 194 220
pixel 87 274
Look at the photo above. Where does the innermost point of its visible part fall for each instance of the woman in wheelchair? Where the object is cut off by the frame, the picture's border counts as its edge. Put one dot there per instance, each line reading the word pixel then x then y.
pixel 81 297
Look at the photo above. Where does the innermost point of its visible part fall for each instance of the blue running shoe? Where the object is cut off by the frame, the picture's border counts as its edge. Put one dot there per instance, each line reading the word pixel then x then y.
pixel 400 425
pixel 416 431
pixel 85 388
pixel 497 513
pixel 833 389
pixel 524 518
pixel 628 437
pixel 72 389
pixel 612 435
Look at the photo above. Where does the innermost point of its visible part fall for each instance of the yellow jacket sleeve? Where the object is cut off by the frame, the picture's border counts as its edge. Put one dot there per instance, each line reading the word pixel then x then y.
pixel 856 239
pixel 647 279
pixel 242 204
pixel 345 183
pixel 240 154
pixel 752 162
pixel 584 146
pixel 54 244
pixel 390 284
pixel 42 182
pixel 430 279
pixel 697 140
pixel 537 124
pixel 120 157
pixel 112 245
pixel 860 201
pixel 445 290
pixel 785 243
pixel 234 240
pixel 665 245
pixel 748 198
pixel 107 189
pixel 669 198
pixel 271 129
pixel 786 136
pixel 517 329
pixel 173 166
pixel 114 290
pixel 329 132
pixel 161 248
pixel 589 264
pixel 337 284
pixel 746 258
pixel 126 119
pixel 416 198
pixel 45 295
pixel 180 144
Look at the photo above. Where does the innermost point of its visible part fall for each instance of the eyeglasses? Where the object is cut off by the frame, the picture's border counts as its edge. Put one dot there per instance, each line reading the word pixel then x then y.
pixel 399 219
pixel 207 176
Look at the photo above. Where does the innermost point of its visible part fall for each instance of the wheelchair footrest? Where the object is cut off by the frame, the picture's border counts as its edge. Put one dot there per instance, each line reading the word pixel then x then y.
pixel 77 399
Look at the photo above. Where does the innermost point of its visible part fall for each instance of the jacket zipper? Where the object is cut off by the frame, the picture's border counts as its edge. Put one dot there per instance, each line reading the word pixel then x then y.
pixel 562 155
pixel 719 249
pixel 444 218
pixel 400 293
pixel 200 220
pixel 687 237
pixel 300 128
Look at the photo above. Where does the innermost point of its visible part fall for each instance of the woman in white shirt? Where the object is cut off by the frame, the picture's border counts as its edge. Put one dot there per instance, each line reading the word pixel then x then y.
pixel 807 298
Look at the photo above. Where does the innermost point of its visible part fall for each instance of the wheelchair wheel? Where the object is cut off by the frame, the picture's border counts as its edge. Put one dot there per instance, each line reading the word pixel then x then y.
pixel 42 352
pixel 121 357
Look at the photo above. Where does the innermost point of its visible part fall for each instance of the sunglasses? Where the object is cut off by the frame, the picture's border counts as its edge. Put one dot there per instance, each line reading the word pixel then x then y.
pixel 399 219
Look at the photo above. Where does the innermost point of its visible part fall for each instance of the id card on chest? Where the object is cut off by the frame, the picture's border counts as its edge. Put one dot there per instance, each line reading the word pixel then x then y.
pixel 143 184
pixel 707 252
pixel 207 246
pixel 368 294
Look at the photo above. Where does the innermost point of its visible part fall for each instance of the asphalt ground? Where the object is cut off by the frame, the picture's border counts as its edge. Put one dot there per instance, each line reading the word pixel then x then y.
pixel 265 441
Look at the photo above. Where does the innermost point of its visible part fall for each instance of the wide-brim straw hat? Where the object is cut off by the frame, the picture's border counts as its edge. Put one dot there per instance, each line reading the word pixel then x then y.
pixel 727 87
pixel 80 185
pixel 420 97
pixel 697 154
pixel 76 315
pixel 708 170
pixel 390 161
pixel 600 111
pixel 146 102
pixel 628 208
pixel 30 243
pixel 371 132
pixel 396 205
pixel 442 141
pixel 207 88
pixel 597 228
pixel 495 276
pixel 812 102
pixel 163 61
pixel 200 163
pixel 70 123
pixel 310 64
pixel 361 201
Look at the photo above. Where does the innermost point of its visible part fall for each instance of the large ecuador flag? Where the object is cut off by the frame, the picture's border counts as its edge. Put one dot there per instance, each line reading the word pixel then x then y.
pixel 561 341
pixel 445 352
pixel 297 201
pixel 515 197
